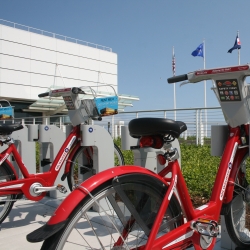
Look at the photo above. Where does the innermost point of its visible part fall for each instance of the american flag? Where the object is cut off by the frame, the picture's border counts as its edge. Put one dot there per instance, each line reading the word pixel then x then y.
pixel 173 63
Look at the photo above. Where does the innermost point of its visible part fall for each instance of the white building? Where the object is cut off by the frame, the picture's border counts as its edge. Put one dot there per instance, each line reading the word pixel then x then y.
pixel 33 61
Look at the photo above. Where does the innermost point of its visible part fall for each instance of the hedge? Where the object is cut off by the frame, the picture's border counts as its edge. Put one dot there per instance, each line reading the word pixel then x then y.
pixel 199 168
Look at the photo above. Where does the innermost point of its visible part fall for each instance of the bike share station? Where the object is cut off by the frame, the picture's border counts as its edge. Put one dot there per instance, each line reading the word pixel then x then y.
pixel 23 145
pixel 50 139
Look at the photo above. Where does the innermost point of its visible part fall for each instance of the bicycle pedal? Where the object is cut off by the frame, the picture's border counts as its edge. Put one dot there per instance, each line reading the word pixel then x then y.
pixel 61 189
pixel 206 227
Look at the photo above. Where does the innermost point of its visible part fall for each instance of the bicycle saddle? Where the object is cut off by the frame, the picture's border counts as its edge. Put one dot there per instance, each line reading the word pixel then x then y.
pixel 7 129
pixel 155 126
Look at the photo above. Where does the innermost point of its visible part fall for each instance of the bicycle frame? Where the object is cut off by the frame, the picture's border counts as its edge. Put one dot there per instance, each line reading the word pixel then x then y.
pixel 222 193
pixel 183 236
pixel 234 97
pixel 47 179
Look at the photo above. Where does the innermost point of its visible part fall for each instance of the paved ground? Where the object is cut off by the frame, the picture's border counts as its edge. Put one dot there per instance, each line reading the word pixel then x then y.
pixel 27 216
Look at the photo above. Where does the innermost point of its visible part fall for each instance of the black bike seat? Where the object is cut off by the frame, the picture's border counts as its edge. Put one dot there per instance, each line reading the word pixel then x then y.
pixel 6 129
pixel 155 126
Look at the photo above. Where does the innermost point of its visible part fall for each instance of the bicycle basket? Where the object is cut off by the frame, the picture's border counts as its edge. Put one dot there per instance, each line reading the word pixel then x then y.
pixel 89 106
pixel 107 105
pixel 81 109
pixel 6 112
pixel 100 106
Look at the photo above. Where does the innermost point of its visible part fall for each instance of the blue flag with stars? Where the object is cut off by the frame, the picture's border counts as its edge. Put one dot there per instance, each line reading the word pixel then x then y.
pixel 198 51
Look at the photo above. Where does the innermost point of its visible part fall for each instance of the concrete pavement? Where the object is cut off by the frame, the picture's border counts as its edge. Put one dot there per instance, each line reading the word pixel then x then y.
pixel 27 216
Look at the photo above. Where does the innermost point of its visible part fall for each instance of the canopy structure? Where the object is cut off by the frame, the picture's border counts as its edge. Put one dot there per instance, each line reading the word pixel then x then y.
pixel 52 106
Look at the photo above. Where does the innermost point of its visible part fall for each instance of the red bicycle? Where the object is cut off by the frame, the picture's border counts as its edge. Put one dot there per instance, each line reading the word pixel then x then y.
pixel 79 159
pixel 135 208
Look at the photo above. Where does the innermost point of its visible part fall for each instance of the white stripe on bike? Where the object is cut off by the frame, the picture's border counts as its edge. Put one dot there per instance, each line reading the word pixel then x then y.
pixel 13 186
pixel 4 158
pixel 183 237
pixel 171 192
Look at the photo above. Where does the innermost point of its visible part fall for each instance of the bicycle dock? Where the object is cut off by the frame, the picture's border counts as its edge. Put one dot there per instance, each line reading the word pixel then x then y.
pixel 26 216
pixel 50 138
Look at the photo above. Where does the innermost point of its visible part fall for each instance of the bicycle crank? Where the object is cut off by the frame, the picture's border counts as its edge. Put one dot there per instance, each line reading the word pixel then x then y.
pixel 36 189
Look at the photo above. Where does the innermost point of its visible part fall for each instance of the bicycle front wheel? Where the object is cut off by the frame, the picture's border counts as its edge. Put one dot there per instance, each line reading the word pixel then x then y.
pixel 123 215
pixel 6 201
pixel 238 218
pixel 82 165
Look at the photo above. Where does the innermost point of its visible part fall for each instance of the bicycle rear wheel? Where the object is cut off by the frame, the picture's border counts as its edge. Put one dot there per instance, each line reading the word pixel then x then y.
pixel 7 201
pixel 238 218
pixel 82 163
pixel 115 225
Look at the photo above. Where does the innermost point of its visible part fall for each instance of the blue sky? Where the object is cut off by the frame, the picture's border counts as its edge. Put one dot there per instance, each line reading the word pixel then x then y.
pixel 142 33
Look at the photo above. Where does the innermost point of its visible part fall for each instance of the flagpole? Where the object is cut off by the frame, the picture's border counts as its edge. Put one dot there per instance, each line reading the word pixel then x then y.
pixel 205 88
pixel 173 69
pixel 238 33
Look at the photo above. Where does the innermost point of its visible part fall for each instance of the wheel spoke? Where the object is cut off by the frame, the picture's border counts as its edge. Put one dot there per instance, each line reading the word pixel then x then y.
pixel 103 220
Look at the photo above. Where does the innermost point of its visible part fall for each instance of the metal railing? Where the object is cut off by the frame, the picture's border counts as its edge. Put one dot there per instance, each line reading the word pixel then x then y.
pixel 53 35
pixel 198 120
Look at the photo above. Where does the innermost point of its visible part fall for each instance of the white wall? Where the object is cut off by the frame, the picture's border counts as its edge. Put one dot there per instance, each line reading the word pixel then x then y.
pixel 28 64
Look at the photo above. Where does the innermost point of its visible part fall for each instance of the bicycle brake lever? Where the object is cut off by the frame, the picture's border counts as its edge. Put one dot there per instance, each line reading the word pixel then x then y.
pixel 183 83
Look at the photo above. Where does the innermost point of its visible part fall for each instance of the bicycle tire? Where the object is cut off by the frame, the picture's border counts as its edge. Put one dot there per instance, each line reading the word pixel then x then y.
pixel 143 191
pixel 86 164
pixel 6 202
pixel 237 219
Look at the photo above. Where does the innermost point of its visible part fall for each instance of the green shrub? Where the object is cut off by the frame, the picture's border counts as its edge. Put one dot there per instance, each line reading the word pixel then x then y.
pixel 199 169
pixel 127 154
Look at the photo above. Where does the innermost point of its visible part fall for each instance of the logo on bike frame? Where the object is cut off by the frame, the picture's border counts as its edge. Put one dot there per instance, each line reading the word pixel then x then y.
pixel 230 164
pixel 65 153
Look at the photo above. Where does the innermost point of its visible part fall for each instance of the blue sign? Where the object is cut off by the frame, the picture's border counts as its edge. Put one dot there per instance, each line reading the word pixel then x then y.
pixel 107 105
pixel 6 113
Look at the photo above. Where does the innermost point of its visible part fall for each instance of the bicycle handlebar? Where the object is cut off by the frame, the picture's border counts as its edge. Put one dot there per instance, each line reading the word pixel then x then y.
pixel 239 71
pixel 179 78
pixel 43 94
pixel 59 92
